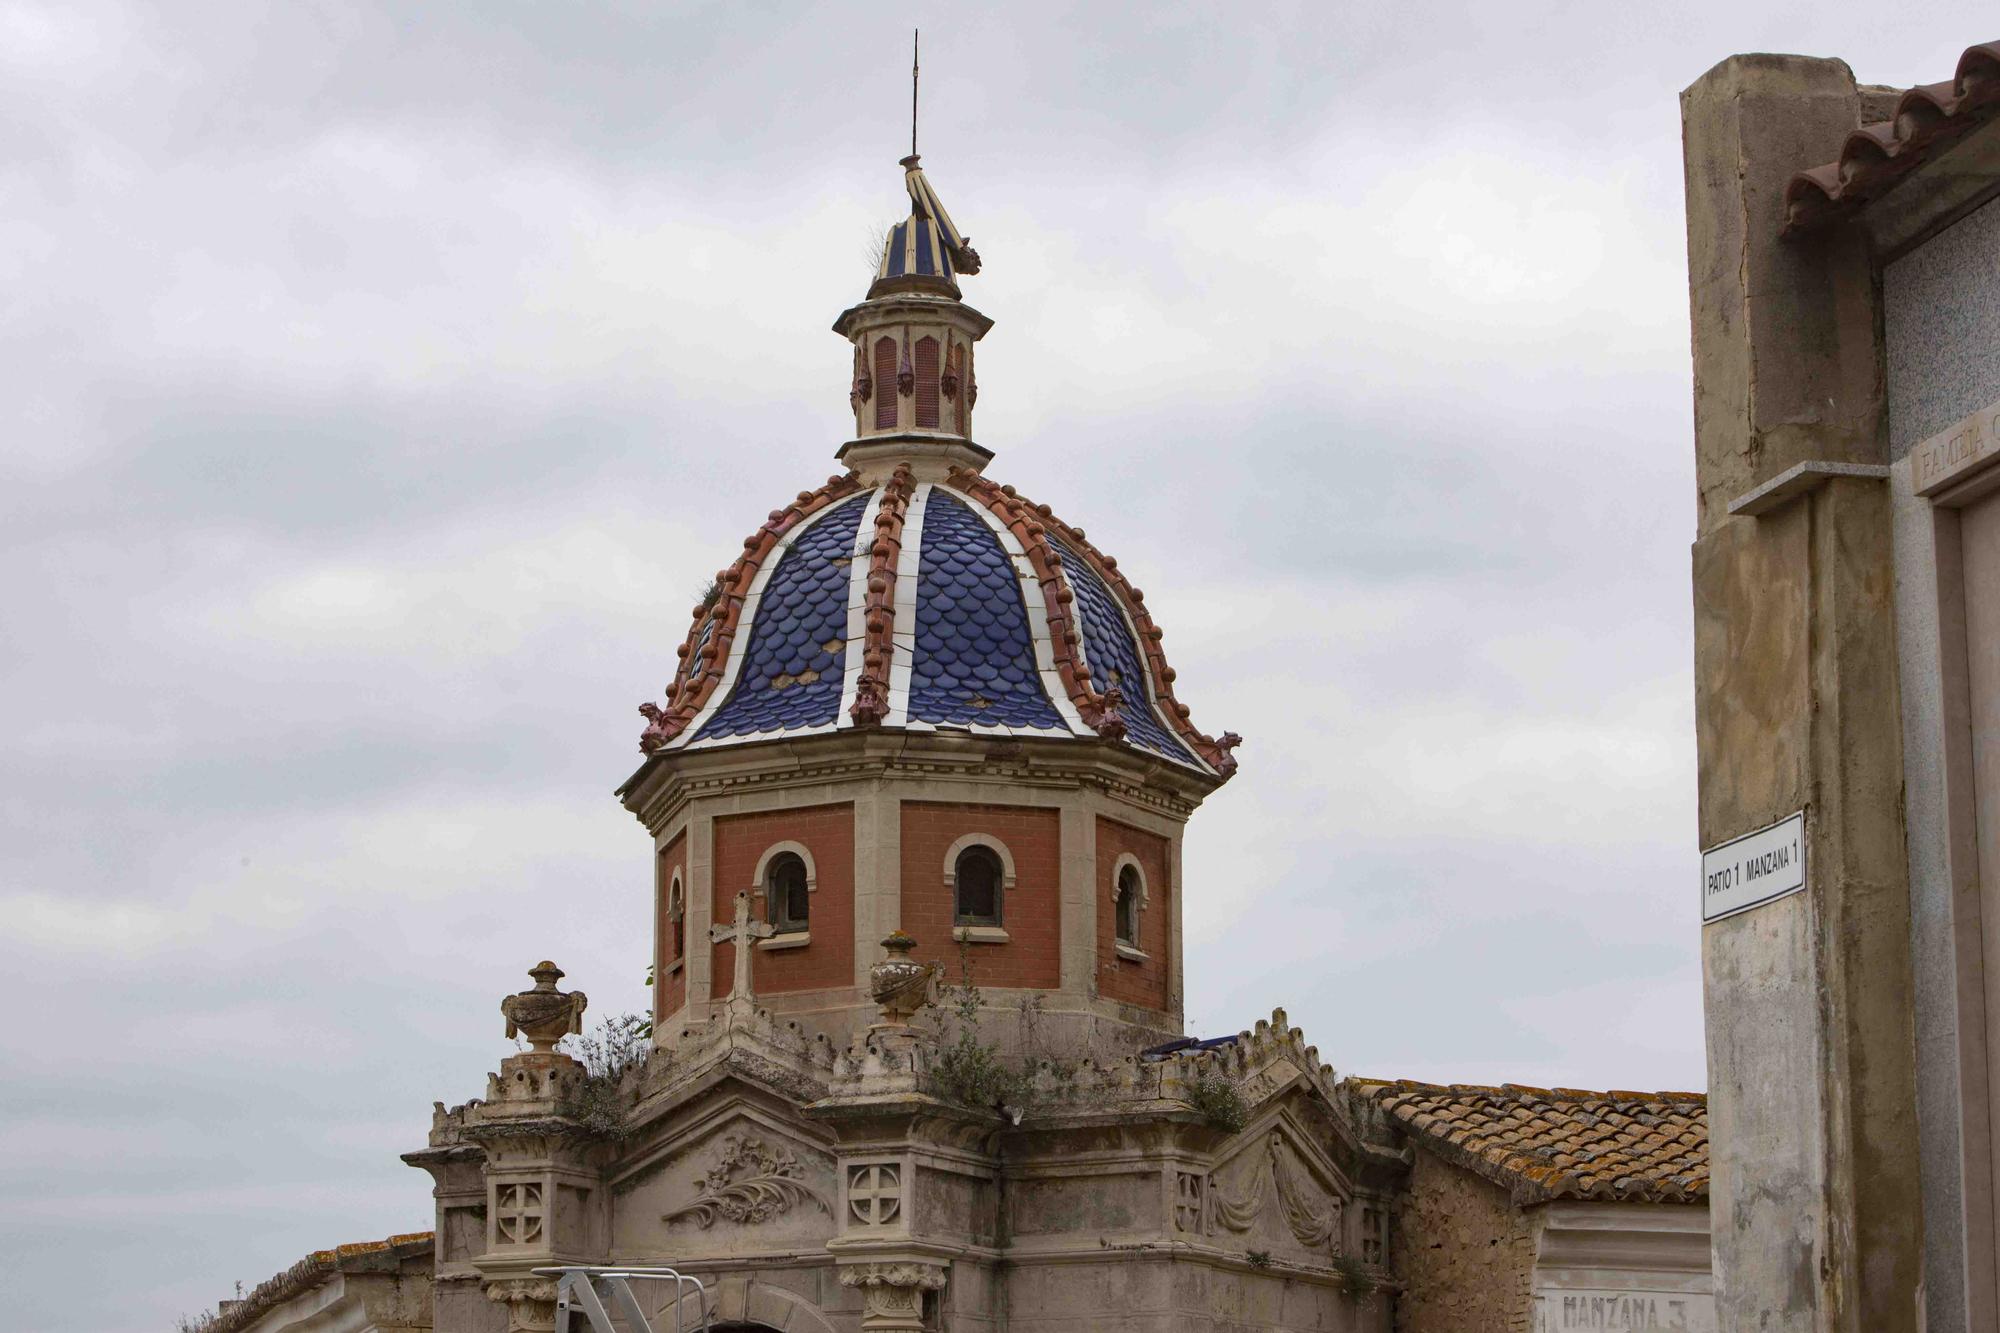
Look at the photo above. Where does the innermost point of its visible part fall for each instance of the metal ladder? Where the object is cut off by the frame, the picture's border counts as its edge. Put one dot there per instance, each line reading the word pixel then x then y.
pixel 586 1296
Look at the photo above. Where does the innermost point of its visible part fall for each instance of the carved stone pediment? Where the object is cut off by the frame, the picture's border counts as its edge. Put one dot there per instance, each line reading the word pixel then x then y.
pixel 733 1178
pixel 1275 1184
pixel 750 1179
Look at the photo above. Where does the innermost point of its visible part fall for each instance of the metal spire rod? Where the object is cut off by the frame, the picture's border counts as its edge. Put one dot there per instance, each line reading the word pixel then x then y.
pixel 914 35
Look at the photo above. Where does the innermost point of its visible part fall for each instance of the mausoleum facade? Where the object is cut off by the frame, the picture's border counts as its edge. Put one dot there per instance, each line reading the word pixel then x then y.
pixel 915 797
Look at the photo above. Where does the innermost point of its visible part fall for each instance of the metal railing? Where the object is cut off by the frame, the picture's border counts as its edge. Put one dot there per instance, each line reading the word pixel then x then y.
pixel 593 1293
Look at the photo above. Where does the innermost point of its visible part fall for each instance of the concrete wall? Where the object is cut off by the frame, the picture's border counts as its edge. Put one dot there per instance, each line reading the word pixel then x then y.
pixel 1464 1253
pixel 1816 1206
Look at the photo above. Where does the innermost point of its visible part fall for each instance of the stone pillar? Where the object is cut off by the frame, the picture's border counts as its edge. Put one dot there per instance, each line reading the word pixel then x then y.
pixel 1810 1040
pixel 544 1187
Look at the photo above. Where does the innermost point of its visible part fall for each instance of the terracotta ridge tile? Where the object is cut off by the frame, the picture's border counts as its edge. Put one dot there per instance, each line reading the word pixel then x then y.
pixel 1874 157
pixel 878 644
pixel 1035 521
pixel 697 680
pixel 305 1275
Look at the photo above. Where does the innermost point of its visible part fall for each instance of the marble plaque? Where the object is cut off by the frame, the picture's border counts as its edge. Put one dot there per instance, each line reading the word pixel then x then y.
pixel 1957 451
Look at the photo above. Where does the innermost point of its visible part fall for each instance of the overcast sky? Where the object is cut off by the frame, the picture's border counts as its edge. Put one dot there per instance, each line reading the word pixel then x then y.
pixel 381 384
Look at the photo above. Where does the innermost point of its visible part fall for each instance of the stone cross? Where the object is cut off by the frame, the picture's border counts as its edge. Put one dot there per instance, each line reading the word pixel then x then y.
pixel 744 935
pixel 875 1193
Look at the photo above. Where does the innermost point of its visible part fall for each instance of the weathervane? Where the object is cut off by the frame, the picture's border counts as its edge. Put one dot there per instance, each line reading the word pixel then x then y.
pixel 915 34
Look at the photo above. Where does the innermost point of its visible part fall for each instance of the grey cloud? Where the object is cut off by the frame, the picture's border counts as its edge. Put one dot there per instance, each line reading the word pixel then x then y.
pixel 382 382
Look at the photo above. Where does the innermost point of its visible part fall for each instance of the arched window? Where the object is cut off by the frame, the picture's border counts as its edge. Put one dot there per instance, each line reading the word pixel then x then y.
pixel 885 383
pixel 676 920
pixel 1131 888
pixel 787 901
pixel 927 383
pixel 976 878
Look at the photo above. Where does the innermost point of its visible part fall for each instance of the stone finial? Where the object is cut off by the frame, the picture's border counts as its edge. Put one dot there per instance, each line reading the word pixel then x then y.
pixel 899 983
pixel 544 1015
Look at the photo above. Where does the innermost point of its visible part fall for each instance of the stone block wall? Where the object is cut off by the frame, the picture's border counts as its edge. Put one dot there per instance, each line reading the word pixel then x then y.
pixel 1464 1254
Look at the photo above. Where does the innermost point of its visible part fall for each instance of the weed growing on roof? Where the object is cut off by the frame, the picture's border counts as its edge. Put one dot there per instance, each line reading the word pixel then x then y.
pixel 1217 1100
pixel 1356 1279
pixel 965 1069
pixel 614 1048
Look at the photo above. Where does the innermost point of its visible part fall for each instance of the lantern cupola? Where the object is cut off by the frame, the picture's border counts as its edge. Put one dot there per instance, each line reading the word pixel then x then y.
pixel 914 387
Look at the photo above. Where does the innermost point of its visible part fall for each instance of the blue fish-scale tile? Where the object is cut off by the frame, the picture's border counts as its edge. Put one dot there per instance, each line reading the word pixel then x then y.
pixel 1114 657
pixel 973 642
pixel 803 609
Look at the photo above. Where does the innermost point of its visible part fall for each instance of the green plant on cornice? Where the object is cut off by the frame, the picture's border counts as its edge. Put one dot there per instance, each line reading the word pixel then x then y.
pixel 616 1046
pixel 965 1069
pixel 1258 1258
pixel 1356 1279
pixel 1217 1100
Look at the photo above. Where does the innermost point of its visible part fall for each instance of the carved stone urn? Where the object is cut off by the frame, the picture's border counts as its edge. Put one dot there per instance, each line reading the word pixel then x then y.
pixel 899 983
pixel 544 1015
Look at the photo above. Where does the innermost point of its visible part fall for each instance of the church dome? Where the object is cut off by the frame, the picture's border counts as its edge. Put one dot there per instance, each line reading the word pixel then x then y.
pixel 912 593
pixel 940 605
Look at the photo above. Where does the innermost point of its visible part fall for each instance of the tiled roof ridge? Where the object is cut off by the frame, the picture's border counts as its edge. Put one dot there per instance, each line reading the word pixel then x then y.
pixel 310 1272
pixel 1030 523
pixel 1874 157
pixel 1549 1143
pixel 878 644
pixel 702 661
pixel 1527 1091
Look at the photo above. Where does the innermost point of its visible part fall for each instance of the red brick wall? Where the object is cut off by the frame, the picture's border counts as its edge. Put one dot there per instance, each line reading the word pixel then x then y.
pixel 827 831
pixel 1143 984
pixel 1032 909
pixel 669 991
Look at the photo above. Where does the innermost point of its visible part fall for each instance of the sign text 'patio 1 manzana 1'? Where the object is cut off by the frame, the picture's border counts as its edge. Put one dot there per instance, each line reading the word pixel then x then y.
pixel 1754 869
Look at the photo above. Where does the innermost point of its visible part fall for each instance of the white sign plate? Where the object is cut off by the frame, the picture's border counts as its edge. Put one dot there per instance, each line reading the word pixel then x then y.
pixel 1754 869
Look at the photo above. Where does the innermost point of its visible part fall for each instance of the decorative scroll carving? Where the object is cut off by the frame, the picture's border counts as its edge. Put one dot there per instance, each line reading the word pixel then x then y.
pixel 864 383
pixel 751 1182
pixel 530 1302
pixel 1314 1227
pixel 892 1293
pixel 1187 1202
pixel 874 1194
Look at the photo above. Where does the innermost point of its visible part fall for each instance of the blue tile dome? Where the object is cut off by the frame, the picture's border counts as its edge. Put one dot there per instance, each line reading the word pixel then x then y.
pixel 940 606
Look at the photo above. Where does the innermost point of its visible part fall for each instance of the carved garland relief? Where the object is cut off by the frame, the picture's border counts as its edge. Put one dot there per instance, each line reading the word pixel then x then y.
pixel 1314 1227
pixel 751 1182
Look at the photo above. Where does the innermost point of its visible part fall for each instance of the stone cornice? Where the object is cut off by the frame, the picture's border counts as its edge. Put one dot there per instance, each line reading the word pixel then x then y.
pixel 668 780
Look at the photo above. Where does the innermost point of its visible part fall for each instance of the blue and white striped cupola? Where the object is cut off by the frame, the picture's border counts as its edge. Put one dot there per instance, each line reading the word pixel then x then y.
pixel 911 593
pixel 922 606
pixel 924 252
pixel 914 384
